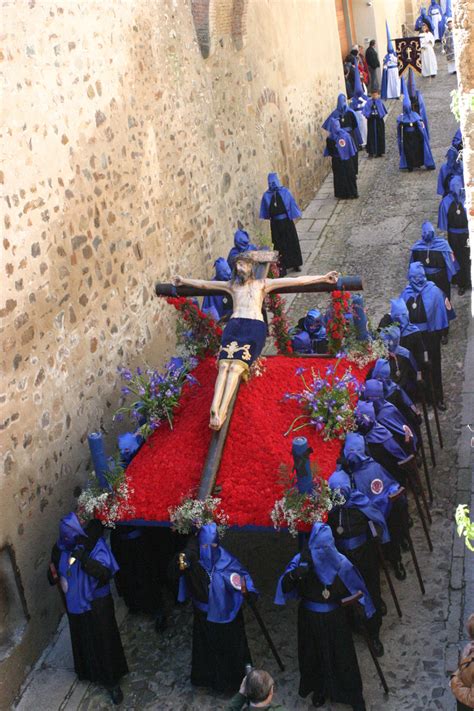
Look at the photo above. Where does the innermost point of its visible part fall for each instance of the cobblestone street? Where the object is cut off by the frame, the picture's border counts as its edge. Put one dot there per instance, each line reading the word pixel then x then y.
pixel 370 236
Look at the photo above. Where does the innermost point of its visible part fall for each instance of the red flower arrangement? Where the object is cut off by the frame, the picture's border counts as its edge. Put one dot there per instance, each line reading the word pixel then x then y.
pixel 196 331
pixel 338 327
pixel 279 326
pixel 170 463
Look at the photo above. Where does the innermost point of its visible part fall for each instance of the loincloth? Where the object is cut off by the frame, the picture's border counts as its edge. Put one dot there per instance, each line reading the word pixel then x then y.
pixel 243 340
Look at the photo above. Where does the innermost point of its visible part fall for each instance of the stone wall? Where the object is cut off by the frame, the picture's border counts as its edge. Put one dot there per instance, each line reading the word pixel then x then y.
pixel 130 154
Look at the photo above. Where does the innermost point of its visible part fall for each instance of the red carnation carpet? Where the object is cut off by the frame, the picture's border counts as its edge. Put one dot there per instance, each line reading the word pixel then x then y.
pixel 170 463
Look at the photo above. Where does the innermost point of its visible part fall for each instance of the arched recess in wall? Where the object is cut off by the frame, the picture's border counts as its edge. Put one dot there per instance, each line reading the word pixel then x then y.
pixel 274 133
pixel 216 22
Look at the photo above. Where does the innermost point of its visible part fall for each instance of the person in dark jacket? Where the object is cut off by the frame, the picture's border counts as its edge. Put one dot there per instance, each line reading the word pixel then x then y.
pixel 82 565
pixel 256 691
pixel 373 62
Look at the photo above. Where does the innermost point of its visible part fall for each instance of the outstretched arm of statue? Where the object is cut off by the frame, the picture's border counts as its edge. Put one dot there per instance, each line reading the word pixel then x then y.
pixel 272 284
pixel 202 284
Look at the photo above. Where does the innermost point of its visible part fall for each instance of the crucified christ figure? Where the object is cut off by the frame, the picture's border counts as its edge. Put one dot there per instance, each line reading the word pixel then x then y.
pixel 245 332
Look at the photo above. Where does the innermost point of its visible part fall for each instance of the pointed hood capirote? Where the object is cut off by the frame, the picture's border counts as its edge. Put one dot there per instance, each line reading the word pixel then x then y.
pixel 275 187
pixel 354 499
pixel 70 530
pixel 327 563
pixel 390 47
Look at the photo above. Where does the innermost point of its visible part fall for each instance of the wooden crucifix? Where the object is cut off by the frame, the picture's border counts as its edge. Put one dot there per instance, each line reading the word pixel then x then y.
pixel 245 332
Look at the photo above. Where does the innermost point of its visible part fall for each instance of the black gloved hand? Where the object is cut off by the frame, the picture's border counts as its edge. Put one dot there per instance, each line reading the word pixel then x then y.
pixel 79 553
pixel 300 572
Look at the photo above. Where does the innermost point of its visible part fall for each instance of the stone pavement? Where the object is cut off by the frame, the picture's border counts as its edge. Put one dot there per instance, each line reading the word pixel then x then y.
pixel 370 236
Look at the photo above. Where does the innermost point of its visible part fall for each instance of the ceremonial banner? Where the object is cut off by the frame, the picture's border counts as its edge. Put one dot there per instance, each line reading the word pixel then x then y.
pixel 408 51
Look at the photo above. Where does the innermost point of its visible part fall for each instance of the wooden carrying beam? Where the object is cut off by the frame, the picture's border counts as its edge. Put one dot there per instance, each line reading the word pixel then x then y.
pixel 214 454
pixel 348 283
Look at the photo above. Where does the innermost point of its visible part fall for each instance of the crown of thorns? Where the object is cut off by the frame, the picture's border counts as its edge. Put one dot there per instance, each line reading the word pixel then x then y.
pixel 258 257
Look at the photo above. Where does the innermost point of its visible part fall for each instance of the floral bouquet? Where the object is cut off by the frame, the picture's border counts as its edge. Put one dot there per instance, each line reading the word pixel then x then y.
pixel 338 325
pixel 196 332
pixel 361 353
pixel 155 395
pixel 192 514
pixel 110 505
pixel 328 402
pixel 298 511
pixel 279 326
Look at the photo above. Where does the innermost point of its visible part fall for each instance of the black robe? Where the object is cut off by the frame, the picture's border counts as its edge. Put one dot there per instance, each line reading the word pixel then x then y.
pixel 432 342
pixel 348 122
pixel 137 581
pixel 326 654
pixel 220 651
pixel 344 173
pixel 95 638
pixel 284 235
pixel 375 135
pixel 349 522
pixel 389 462
pixel 413 145
pixel 458 241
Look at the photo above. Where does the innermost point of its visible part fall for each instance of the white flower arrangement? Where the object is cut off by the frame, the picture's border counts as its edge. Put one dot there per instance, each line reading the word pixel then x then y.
pixel 258 367
pixel 361 353
pixel 296 510
pixel 111 504
pixel 193 514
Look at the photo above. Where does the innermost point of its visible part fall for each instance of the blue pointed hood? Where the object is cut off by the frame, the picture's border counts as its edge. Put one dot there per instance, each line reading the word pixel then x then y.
pixel 427 232
pixel 223 271
pixel 399 311
pixel 354 449
pixel 341 106
pixel 373 390
pixel 416 276
pixel 452 157
pixel 301 343
pixel 70 530
pixel 273 181
pixel 313 320
pixel 381 370
pixel 208 546
pixel 408 113
pixel 241 240
pixel 456 188
pixel 391 336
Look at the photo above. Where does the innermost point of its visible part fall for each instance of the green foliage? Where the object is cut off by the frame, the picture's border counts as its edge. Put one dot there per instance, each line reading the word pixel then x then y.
pixel 465 527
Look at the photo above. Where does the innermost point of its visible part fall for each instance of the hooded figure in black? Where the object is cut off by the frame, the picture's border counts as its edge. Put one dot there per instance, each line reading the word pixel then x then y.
pixel 413 142
pixel 380 443
pixel 279 206
pixel 321 577
pixel 394 394
pixel 403 366
pixel 430 310
pixel 452 218
pixel 211 577
pixel 371 479
pixel 353 524
pixel 437 258
pixel 340 146
pixel 84 566
pixel 375 112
